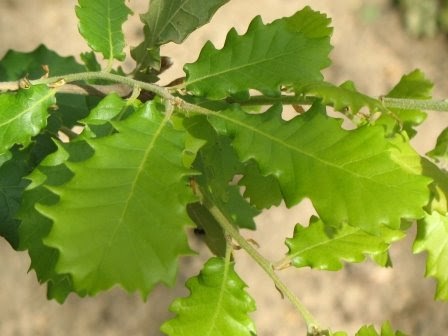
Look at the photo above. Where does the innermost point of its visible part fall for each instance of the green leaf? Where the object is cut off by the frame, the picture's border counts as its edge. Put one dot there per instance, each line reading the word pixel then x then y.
pixel 263 191
pixel 219 164
pixel 15 65
pixel 213 233
pixel 287 51
pixel 319 246
pixel 174 20
pixel 100 23
pixel 342 98
pixel 350 176
pixel 440 151
pixel 34 226
pixel 12 185
pixel 23 115
pixel 411 86
pixel 121 218
pixel 218 304
pixel 386 330
pixel 432 237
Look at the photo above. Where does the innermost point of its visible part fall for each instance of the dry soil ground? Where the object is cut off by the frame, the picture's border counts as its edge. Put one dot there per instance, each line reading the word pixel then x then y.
pixel 371 49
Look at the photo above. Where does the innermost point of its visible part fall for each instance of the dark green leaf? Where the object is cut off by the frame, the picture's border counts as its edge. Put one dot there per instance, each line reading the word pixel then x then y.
pixel 218 304
pixel 213 233
pixel 12 185
pixel 100 23
pixel 354 176
pixel 263 191
pixel 288 51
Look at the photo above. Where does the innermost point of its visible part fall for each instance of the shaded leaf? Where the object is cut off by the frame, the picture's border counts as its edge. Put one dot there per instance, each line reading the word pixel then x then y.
pixel 12 185
pixel 287 51
pixel 350 176
pixel 218 163
pixel 320 246
pixel 432 237
pixel 100 23
pixel 170 21
pixel 263 191
pixel 121 218
pixel 23 114
pixel 213 233
pixel 218 304
pixel 16 65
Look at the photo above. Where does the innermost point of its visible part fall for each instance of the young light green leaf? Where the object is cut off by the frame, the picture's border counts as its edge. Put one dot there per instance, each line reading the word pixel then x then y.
pixel 440 151
pixel 342 98
pixel 322 247
pixel 23 114
pixel 432 237
pixel 288 51
pixel 411 86
pixel 386 330
pixel 100 23
pixel 350 176
pixel 121 218
pixel 218 304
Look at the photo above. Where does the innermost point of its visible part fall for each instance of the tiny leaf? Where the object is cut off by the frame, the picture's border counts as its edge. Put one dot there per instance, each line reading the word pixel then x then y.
pixel 291 50
pixel 386 330
pixel 100 24
pixel 218 304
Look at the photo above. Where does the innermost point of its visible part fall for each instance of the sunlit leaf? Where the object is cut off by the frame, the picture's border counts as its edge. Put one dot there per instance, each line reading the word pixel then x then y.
pixel 322 247
pixel 218 304
pixel 100 24
pixel 386 330
pixel 121 218
pixel 350 176
pixel 290 51
pixel 432 237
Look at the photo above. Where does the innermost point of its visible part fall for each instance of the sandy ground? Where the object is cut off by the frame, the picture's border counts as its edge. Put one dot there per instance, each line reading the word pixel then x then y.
pixel 371 49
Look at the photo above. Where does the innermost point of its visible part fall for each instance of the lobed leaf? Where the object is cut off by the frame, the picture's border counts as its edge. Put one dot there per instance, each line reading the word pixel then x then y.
pixel 100 23
pixel 23 114
pixel 411 86
pixel 12 185
pixel 386 330
pixel 440 151
pixel 287 51
pixel 320 246
pixel 217 305
pixel 170 21
pixel 121 218
pixel 350 176
pixel 342 98
pixel 432 237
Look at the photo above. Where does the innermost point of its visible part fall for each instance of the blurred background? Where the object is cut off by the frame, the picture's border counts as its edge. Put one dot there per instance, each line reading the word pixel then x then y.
pixel 375 43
